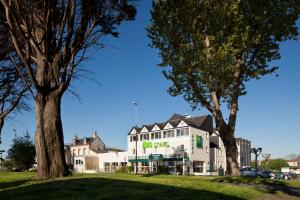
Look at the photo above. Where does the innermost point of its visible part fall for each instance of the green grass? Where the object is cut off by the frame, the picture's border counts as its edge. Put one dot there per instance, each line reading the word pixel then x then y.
pixel 122 186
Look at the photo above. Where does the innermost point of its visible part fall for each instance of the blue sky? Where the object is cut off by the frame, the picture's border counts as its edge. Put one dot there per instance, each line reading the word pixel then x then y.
pixel 127 71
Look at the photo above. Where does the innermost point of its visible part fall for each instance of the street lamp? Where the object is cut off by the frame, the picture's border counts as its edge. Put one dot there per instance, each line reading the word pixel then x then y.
pixel 135 104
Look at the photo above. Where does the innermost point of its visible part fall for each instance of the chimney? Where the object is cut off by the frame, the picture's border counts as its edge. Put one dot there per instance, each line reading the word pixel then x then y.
pixel 75 139
pixel 84 140
pixel 95 135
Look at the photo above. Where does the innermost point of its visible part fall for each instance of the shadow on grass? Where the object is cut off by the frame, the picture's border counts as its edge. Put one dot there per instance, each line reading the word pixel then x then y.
pixel 272 186
pixel 4 185
pixel 100 188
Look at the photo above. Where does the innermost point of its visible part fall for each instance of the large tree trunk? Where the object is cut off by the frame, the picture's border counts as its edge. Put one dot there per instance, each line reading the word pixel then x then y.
pixel 232 168
pixel 1 127
pixel 49 142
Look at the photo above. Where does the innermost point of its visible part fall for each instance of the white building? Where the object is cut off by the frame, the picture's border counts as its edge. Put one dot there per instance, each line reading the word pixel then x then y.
pixel 181 144
pixel 89 154
pixel 294 165
pixel 218 153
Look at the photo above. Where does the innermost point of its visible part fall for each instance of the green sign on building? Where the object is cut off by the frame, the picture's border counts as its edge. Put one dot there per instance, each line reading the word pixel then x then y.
pixel 147 144
pixel 199 141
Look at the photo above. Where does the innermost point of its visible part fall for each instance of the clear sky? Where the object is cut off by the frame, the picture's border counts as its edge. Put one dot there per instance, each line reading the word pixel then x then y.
pixel 127 71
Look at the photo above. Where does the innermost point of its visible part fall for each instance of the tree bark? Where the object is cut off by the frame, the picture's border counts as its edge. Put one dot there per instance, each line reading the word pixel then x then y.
pixel 49 142
pixel 1 127
pixel 232 167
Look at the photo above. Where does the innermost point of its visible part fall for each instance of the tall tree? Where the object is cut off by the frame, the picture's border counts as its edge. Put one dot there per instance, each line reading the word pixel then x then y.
pixel 55 36
pixel 22 152
pixel 212 48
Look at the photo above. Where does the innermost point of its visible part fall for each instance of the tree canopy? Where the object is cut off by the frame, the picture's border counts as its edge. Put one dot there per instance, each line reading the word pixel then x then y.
pixel 12 87
pixel 211 48
pixel 274 164
pixel 22 152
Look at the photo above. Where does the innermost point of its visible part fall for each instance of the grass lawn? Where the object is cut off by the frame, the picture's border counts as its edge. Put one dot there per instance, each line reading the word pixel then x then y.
pixel 123 186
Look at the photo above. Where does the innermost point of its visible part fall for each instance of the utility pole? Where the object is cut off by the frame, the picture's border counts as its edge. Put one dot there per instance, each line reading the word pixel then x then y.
pixel 15 131
pixel 136 135
pixel 256 152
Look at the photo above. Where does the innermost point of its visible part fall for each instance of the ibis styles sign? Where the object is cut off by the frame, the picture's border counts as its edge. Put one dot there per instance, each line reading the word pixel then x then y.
pixel 147 144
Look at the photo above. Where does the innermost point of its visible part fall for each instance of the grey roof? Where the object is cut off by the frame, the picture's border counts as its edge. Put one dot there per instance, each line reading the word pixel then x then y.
pixel 89 140
pixel 200 122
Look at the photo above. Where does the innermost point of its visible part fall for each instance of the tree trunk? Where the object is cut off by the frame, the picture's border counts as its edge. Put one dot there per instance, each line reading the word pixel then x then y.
pixel 232 168
pixel 1 127
pixel 49 142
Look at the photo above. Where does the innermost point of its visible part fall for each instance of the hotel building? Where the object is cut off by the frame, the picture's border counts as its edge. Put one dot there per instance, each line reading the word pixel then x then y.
pixel 181 144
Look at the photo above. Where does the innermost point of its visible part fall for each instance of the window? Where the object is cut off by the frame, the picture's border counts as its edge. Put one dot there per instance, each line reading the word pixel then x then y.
pixel 186 131
pixel 182 132
pixel 170 133
pixel 199 141
pixel 145 136
pixel 73 152
pixel 130 138
pixel 157 135
pixel 133 151
pixel 106 166
pixel 178 132
pixel 78 162
pixel 144 150
pixel 141 137
pixel 148 136
pixel 134 138
pixel 164 134
pixel 152 136
pixel 78 151
pixel 198 166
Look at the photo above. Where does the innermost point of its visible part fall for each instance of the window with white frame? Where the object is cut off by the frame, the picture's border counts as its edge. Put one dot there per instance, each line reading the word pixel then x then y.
pixel 164 134
pixel 157 135
pixel 106 166
pixel 182 132
pixel 198 166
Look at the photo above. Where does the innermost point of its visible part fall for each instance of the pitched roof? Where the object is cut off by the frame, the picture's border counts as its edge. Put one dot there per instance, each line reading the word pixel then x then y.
pixel 201 122
pixel 294 160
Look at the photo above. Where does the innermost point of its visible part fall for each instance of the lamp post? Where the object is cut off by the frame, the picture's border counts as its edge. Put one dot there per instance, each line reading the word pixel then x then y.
pixel 135 104
pixel 256 152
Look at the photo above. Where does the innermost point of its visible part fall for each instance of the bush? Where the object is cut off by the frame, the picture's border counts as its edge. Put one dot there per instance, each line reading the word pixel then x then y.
pixel 130 169
pixel 162 170
pixel 125 170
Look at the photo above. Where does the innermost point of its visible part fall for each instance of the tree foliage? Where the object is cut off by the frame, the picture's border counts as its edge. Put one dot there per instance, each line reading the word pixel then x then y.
pixel 211 48
pixel 12 88
pixel 22 152
pixel 274 164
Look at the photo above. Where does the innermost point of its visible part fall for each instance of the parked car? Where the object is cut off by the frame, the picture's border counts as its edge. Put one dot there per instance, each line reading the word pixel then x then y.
pixel 279 176
pixel 251 172
pixel 263 173
pixel 247 172
pixel 290 175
